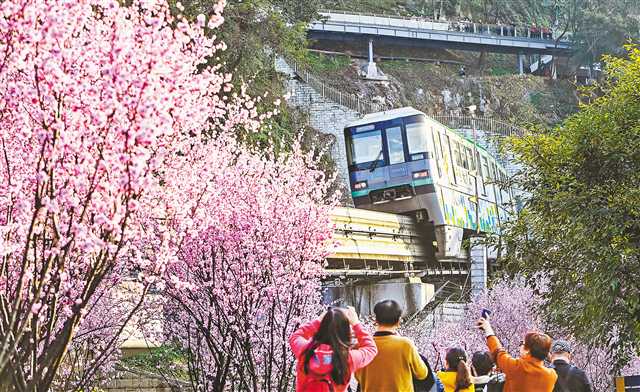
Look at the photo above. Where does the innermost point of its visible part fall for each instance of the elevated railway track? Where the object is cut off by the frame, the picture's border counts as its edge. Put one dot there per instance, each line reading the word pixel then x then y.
pixel 372 244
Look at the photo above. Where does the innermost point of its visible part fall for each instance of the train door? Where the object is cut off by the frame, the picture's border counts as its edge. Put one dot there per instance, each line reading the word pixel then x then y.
pixel 398 172
pixel 437 156
pixel 451 160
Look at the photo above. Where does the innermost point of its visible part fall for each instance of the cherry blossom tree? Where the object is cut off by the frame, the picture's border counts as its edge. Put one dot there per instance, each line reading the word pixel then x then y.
pixel 517 308
pixel 99 104
pixel 248 275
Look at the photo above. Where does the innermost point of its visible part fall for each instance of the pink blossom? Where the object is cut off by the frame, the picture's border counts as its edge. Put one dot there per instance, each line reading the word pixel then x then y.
pixel 102 108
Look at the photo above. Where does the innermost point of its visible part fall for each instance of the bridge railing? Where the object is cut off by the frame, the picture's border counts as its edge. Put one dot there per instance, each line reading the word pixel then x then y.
pixel 351 101
pixel 498 30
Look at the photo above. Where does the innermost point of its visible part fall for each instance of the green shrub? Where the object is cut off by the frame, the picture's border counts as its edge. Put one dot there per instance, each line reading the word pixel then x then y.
pixel 167 360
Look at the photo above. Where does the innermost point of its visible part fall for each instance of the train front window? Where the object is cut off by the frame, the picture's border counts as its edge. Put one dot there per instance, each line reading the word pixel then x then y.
pixel 417 140
pixel 396 146
pixel 365 148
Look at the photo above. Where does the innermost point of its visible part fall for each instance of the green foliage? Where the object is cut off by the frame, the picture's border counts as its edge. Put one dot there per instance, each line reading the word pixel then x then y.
pixel 581 218
pixel 599 27
pixel 254 31
pixel 168 361
pixel 501 71
pixel 320 62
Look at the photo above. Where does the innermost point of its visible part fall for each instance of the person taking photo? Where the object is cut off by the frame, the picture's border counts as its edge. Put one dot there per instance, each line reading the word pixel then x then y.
pixel 526 373
pixel 322 347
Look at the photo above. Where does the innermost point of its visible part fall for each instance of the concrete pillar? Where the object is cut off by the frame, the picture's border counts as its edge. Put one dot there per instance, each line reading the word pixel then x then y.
pixel 521 63
pixel 478 271
pixel 410 293
pixel 372 72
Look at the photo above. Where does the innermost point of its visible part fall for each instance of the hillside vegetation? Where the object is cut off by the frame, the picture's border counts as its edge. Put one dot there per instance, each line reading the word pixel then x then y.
pixel 437 88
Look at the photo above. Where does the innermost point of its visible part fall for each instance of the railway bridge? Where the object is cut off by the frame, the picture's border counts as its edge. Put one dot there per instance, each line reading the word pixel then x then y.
pixel 417 32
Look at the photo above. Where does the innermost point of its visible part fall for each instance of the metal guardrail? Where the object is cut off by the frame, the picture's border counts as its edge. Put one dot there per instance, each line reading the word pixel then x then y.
pixel 487 125
pixel 351 101
pixel 498 30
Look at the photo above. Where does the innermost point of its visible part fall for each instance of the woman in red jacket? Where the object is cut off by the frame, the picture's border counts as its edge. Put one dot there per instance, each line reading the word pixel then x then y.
pixel 323 350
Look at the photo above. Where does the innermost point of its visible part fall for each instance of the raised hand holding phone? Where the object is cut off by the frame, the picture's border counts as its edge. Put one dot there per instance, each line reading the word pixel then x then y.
pixel 351 314
pixel 485 325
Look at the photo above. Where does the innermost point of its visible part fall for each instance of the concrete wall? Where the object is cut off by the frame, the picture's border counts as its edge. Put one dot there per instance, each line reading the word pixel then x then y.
pixel 134 381
pixel 325 115
pixel 411 293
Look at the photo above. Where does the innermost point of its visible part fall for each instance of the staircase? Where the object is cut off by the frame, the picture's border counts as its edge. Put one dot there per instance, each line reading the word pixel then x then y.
pixel 447 305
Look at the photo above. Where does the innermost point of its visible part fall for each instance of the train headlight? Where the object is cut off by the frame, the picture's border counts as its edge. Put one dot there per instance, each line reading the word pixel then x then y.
pixel 420 174
pixel 360 185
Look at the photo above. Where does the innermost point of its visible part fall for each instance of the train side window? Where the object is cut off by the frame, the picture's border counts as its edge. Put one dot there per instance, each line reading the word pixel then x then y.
pixel 485 174
pixel 417 141
pixel 472 160
pixel 456 152
pixel 465 157
pixel 494 171
pixel 395 145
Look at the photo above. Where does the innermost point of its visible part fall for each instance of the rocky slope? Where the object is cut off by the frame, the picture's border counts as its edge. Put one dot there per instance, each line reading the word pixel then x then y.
pixel 433 83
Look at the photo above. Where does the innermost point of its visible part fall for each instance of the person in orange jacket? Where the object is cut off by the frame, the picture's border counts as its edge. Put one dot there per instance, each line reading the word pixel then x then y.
pixel 527 373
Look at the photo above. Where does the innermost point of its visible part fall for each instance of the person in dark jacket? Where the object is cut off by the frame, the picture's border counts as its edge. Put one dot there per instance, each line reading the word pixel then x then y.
pixel 484 376
pixel 570 378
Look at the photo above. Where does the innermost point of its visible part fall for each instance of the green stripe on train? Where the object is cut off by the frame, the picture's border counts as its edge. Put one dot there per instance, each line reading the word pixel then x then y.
pixel 422 181
pixel 359 193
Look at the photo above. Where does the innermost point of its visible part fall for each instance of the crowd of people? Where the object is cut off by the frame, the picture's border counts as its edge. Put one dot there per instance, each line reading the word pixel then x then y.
pixel 387 362
pixel 506 30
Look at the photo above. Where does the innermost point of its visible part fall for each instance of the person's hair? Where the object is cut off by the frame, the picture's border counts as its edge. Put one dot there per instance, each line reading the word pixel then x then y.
pixel 388 312
pixel 334 331
pixel 538 344
pixel 482 362
pixel 456 359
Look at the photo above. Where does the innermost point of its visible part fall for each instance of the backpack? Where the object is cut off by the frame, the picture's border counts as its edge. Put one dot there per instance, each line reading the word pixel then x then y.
pixel 495 384
pixel 428 384
pixel 318 383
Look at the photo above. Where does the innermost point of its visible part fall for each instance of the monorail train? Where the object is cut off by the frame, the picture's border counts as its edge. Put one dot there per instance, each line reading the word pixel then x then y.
pixel 404 162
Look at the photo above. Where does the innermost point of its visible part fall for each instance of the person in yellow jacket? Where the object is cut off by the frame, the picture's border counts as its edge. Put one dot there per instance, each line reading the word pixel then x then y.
pixel 398 361
pixel 457 377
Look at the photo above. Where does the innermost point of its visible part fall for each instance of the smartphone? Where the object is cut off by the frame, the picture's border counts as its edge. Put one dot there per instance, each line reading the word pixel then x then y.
pixel 485 313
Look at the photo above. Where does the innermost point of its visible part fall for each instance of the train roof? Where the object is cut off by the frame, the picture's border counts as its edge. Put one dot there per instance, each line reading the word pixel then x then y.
pixel 406 112
pixel 385 115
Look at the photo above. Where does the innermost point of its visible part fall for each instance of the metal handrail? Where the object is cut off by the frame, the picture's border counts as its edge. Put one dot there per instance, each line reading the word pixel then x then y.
pixel 349 100
pixel 488 125
pixel 521 31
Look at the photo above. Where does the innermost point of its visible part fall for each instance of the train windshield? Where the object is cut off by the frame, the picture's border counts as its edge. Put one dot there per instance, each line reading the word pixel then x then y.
pixel 417 140
pixel 365 147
